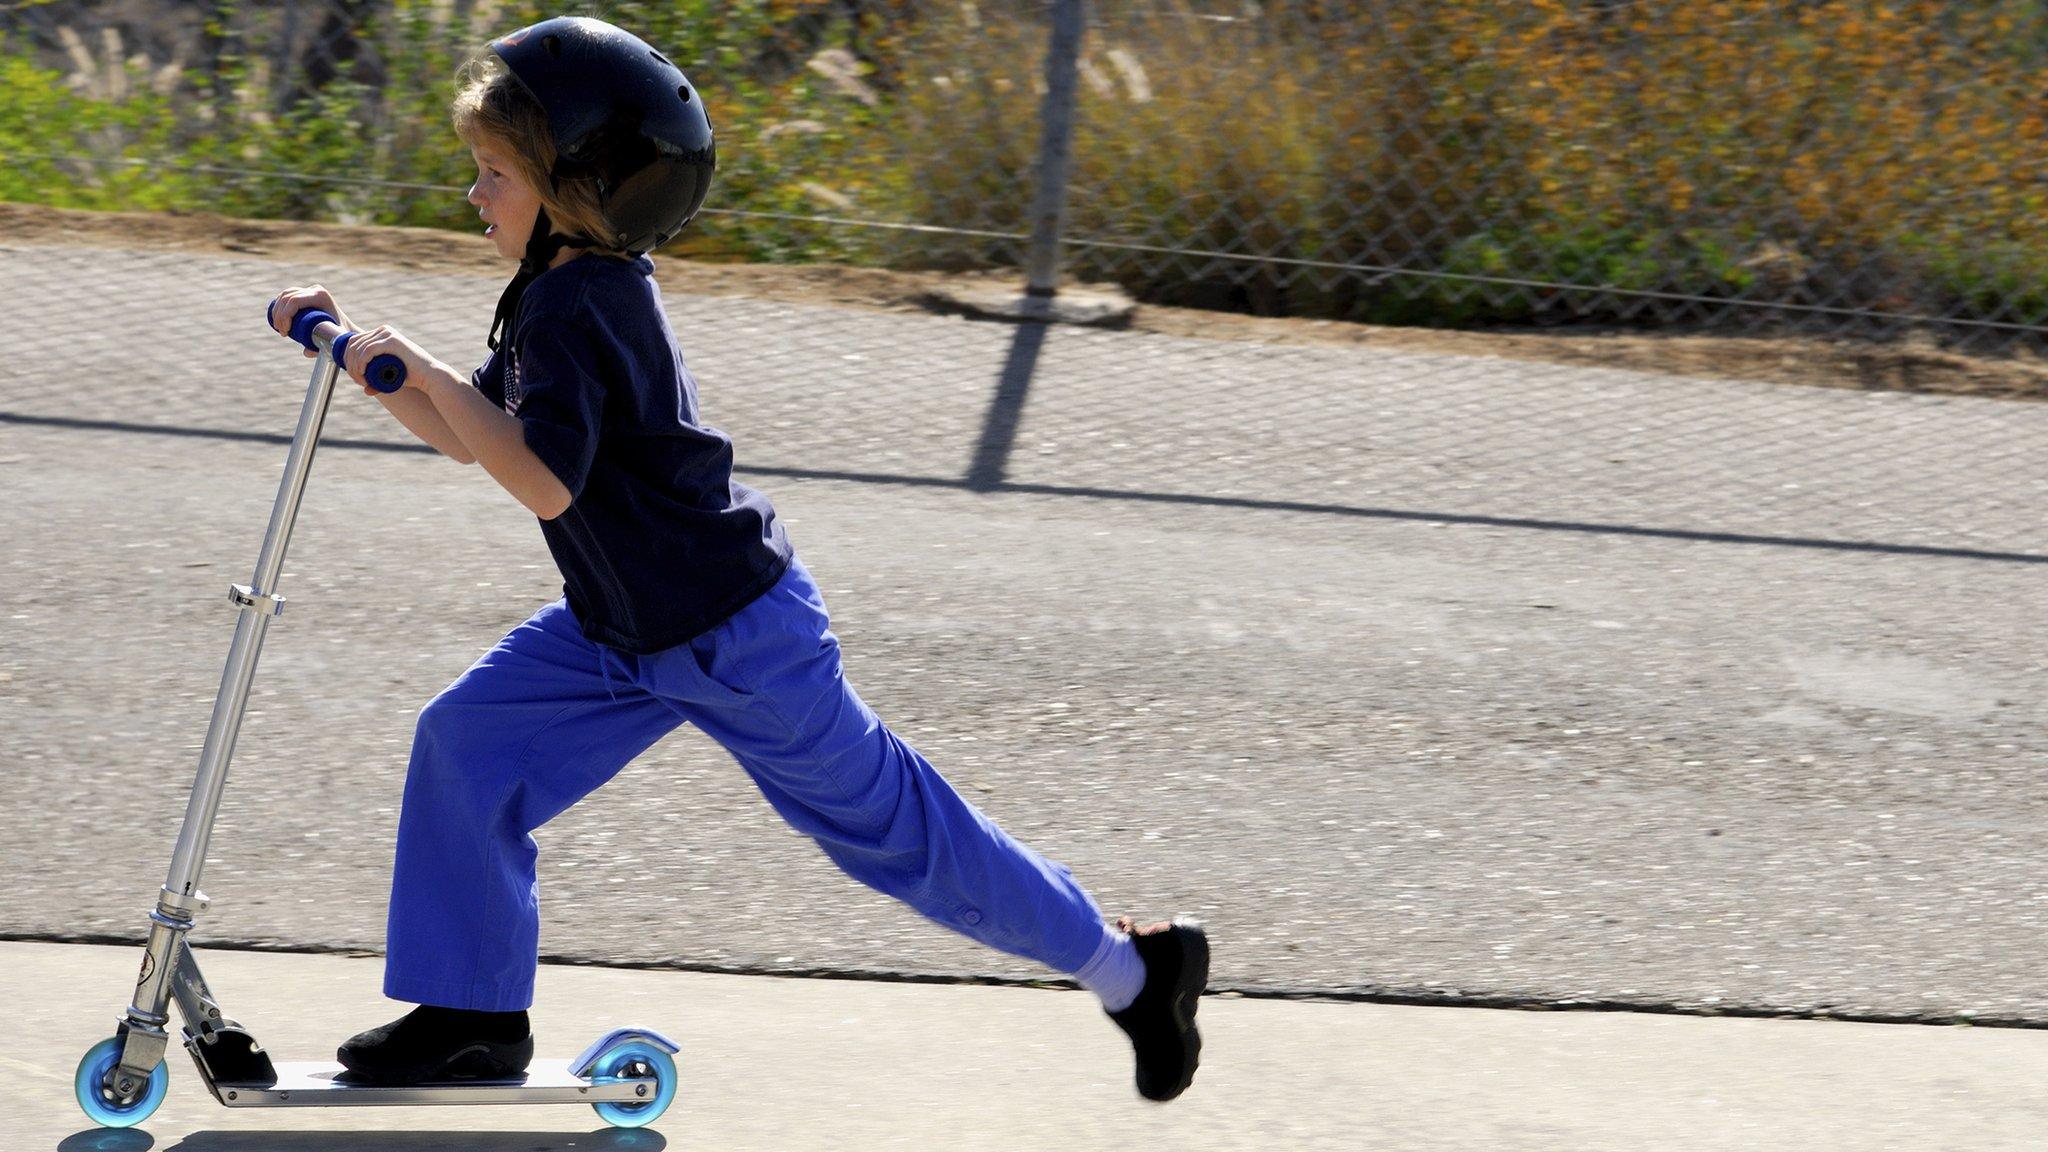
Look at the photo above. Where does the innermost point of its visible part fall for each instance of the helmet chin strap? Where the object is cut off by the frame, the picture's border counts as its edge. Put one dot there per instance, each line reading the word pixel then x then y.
pixel 543 244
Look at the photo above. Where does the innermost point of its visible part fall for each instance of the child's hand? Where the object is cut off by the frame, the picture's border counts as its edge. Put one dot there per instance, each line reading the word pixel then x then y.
pixel 384 340
pixel 292 301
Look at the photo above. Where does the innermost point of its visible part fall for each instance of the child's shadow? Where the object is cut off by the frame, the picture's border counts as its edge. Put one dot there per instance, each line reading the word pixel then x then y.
pixel 603 1140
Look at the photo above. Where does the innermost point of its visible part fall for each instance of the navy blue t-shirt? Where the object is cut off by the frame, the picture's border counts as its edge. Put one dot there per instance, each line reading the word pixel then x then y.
pixel 659 542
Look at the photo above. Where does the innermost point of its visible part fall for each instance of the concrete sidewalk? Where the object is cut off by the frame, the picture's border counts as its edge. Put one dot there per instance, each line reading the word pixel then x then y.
pixel 824 1064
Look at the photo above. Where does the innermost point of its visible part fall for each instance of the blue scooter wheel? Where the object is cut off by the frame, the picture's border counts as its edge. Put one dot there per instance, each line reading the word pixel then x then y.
pixel 635 1060
pixel 98 1102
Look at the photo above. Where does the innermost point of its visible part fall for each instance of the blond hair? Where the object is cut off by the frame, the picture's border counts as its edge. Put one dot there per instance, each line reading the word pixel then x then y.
pixel 494 108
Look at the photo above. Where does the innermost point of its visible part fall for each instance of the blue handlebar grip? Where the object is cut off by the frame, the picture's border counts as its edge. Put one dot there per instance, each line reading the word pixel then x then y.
pixel 386 373
pixel 303 325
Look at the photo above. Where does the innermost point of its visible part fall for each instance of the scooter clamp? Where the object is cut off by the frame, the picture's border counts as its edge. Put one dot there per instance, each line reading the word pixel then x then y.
pixel 248 597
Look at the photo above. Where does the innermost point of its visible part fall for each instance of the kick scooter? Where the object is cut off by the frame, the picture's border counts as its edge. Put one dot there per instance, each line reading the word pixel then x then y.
pixel 628 1075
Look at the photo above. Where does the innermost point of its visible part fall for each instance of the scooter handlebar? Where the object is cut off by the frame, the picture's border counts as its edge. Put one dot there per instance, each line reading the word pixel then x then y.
pixel 386 373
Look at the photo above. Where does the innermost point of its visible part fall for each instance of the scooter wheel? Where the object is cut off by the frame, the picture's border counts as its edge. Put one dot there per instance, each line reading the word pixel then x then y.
pixel 635 1060
pixel 98 1100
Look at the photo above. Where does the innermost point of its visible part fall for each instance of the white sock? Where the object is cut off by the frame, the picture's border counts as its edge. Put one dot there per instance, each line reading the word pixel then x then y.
pixel 1114 973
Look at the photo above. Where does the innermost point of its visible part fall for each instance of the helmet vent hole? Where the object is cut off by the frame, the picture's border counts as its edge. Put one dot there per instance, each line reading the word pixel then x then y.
pixel 553 44
pixel 684 92
pixel 660 57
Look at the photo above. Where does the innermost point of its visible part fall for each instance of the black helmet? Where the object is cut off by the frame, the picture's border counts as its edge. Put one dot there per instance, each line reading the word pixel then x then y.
pixel 619 112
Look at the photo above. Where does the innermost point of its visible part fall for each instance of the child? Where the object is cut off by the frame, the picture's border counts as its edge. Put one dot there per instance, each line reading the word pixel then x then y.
pixel 683 601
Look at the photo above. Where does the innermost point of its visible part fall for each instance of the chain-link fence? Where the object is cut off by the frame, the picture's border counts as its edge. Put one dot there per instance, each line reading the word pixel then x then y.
pixel 1858 166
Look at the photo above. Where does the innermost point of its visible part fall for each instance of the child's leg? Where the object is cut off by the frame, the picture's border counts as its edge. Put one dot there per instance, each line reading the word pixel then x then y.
pixel 527 731
pixel 768 686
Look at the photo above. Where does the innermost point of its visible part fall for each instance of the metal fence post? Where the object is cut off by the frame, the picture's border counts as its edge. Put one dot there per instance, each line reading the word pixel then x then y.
pixel 1055 149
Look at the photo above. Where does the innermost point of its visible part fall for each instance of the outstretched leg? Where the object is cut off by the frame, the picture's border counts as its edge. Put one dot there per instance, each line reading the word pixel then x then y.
pixel 768 686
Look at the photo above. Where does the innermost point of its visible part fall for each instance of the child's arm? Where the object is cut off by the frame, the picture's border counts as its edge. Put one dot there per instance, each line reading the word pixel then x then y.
pixel 488 434
pixel 496 438
pixel 414 410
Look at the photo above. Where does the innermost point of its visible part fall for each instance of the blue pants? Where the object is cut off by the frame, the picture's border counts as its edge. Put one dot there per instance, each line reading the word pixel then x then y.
pixel 547 716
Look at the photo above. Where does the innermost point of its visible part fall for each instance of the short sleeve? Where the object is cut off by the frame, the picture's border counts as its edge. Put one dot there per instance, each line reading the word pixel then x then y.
pixel 558 393
pixel 489 379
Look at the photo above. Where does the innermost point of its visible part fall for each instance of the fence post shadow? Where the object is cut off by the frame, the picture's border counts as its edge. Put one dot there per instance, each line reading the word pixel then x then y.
pixel 999 431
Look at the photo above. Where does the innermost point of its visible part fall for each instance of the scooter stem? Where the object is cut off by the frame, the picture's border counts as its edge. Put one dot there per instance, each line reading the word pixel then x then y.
pixel 259 603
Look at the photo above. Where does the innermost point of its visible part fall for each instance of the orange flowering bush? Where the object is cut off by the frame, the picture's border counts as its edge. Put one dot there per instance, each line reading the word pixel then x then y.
pixel 1869 154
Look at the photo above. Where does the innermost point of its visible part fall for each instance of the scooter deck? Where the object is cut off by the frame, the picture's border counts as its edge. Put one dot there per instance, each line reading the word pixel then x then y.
pixel 545 1082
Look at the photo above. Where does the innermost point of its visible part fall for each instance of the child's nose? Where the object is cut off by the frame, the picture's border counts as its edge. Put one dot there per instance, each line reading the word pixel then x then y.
pixel 476 197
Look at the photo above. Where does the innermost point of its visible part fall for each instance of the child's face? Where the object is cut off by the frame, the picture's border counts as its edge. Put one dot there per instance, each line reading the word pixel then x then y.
pixel 505 202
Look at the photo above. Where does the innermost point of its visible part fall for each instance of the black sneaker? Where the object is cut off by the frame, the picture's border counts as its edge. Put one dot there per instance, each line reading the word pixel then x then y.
pixel 1161 1021
pixel 431 1044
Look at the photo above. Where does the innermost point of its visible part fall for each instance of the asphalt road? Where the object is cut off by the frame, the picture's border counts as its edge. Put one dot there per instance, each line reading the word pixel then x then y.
pixel 1414 675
